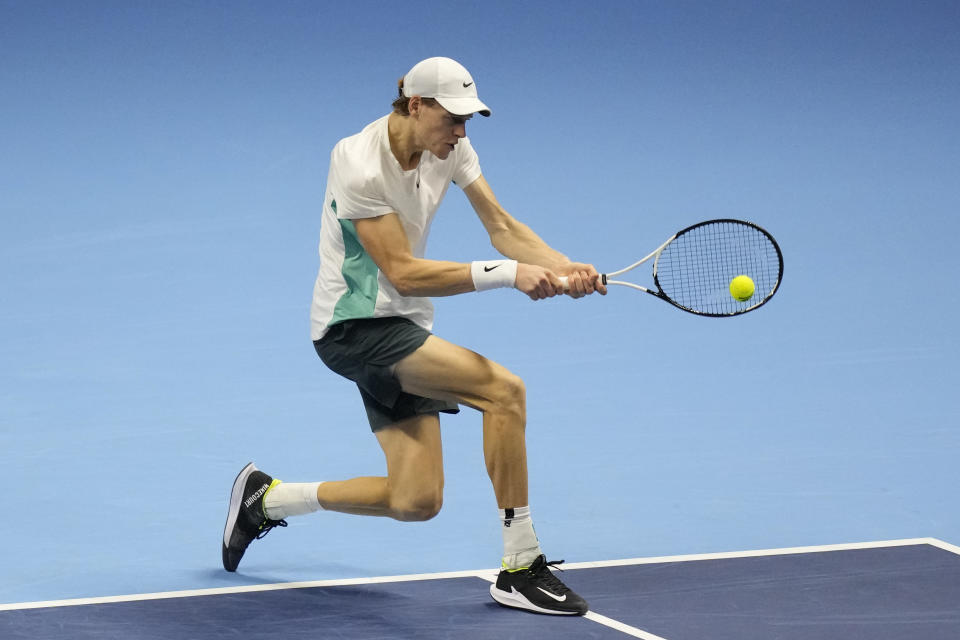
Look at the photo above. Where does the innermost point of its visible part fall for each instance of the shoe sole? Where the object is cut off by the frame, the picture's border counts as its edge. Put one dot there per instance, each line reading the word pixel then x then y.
pixel 516 600
pixel 236 499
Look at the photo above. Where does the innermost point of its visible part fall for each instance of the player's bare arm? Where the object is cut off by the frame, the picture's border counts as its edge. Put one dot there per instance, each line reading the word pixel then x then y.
pixel 516 240
pixel 386 242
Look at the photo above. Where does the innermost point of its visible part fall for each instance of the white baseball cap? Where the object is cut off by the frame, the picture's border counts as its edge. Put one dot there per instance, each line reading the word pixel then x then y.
pixel 446 81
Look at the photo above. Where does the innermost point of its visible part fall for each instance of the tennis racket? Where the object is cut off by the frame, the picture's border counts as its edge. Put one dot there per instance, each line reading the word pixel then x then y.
pixel 694 268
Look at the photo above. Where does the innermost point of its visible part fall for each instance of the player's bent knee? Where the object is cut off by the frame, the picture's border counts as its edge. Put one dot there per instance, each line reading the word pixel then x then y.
pixel 510 396
pixel 418 509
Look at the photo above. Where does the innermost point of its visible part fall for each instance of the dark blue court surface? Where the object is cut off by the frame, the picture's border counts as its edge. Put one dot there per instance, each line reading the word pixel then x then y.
pixel 899 592
pixel 904 591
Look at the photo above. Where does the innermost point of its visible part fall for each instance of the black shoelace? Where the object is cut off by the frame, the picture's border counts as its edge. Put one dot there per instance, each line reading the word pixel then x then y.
pixel 268 526
pixel 540 570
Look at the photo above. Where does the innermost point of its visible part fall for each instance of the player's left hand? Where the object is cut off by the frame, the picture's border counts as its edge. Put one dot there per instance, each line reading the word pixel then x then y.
pixel 582 280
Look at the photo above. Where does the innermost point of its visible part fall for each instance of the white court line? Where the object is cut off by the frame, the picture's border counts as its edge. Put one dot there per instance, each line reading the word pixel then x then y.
pixel 251 588
pixel 619 626
pixel 763 552
pixel 946 546
pixel 484 574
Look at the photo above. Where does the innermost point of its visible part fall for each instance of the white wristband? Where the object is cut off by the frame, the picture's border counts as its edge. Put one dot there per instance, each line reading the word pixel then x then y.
pixel 493 274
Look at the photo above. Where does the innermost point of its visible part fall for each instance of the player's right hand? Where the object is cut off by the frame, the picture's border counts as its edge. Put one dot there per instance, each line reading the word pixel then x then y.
pixel 538 282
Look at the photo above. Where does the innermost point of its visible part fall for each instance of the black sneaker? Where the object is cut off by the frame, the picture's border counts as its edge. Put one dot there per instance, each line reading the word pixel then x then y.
pixel 537 589
pixel 246 521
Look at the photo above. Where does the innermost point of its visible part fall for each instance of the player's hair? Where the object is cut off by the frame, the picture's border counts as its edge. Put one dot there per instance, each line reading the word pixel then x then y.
pixel 402 103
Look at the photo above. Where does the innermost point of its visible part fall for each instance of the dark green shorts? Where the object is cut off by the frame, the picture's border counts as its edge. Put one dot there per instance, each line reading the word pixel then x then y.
pixel 364 351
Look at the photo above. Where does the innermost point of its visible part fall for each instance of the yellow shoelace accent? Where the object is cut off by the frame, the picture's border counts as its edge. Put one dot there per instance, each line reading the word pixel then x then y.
pixel 264 496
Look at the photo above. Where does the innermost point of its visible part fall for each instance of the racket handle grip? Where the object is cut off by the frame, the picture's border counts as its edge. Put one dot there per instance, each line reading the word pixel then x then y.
pixel 565 281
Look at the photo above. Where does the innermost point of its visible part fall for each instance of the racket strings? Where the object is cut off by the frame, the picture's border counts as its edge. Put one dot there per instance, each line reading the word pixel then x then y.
pixel 696 268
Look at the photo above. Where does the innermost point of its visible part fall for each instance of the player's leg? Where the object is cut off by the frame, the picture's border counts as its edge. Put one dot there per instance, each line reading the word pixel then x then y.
pixel 407 429
pixel 440 369
pixel 413 487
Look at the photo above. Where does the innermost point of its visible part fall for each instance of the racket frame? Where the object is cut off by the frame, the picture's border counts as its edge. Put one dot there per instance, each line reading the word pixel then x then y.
pixel 655 254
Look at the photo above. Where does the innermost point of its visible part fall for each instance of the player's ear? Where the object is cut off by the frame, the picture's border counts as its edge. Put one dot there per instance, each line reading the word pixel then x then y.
pixel 415 105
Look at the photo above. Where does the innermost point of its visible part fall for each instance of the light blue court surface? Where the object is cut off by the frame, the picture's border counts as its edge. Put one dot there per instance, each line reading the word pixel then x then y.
pixel 878 591
pixel 161 179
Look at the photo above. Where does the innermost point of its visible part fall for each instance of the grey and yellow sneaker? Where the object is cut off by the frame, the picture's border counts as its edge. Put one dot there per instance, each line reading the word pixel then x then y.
pixel 246 521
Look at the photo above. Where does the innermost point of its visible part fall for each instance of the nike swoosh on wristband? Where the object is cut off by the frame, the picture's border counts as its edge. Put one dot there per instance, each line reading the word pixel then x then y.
pixel 489 269
pixel 553 595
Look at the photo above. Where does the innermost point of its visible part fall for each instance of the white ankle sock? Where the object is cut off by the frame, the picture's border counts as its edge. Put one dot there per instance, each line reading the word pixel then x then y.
pixel 291 499
pixel 520 544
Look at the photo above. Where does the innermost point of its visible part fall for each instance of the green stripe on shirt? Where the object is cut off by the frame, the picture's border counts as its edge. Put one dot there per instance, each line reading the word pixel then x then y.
pixel 360 274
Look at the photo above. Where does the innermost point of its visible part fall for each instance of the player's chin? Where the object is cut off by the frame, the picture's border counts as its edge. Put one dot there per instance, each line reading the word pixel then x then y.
pixel 443 150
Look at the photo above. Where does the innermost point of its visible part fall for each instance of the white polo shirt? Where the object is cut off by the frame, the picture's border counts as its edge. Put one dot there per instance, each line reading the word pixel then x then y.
pixel 366 181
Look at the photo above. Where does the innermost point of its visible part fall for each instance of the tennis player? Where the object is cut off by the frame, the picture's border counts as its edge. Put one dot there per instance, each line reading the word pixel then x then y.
pixel 371 322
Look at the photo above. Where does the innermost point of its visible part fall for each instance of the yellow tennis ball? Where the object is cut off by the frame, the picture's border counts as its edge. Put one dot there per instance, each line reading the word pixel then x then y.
pixel 742 288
